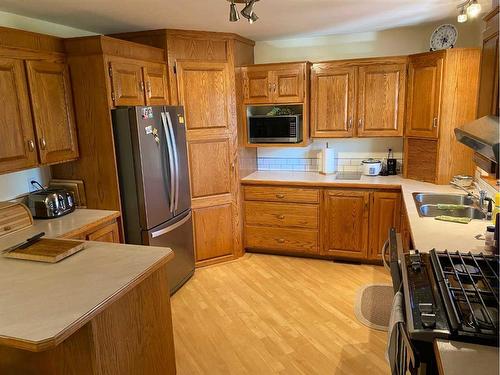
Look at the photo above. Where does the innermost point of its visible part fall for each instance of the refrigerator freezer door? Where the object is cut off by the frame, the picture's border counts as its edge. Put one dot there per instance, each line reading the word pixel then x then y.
pixel 176 234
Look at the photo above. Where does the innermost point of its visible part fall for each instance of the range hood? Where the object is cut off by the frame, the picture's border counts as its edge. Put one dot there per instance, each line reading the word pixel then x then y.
pixel 482 135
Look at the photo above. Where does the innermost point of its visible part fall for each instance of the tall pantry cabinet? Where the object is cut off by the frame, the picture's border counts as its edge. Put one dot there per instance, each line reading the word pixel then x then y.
pixel 203 68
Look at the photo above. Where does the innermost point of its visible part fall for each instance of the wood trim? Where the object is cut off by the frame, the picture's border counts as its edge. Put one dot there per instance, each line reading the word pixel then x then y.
pixel 346 185
pixel 21 39
pixel 39 346
pixel 365 61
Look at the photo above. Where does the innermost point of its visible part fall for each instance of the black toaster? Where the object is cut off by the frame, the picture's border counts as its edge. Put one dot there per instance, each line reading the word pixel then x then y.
pixel 51 203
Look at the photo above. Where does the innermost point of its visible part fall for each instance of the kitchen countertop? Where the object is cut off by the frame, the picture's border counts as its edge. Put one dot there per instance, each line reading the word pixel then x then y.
pixel 427 233
pixel 42 303
pixel 63 226
pixel 466 359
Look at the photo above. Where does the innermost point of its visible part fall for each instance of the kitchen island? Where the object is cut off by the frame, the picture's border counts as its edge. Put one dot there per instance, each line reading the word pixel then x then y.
pixel 104 310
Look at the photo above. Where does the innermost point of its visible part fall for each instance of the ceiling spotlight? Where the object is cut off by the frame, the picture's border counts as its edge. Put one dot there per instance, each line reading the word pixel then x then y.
pixel 233 13
pixel 253 18
pixel 462 16
pixel 474 8
pixel 248 11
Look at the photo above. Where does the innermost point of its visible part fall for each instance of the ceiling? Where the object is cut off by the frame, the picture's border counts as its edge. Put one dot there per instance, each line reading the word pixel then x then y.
pixel 278 18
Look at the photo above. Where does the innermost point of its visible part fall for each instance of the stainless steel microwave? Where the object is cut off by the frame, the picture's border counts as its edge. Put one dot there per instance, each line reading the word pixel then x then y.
pixel 275 129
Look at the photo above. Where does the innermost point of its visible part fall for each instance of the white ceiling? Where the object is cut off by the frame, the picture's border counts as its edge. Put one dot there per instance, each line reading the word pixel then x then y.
pixel 278 18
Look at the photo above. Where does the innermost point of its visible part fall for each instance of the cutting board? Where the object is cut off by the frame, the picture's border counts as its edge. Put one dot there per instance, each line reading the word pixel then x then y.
pixel 47 250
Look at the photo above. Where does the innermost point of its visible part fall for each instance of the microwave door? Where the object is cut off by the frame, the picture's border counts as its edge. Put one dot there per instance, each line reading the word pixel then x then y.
pixel 274 129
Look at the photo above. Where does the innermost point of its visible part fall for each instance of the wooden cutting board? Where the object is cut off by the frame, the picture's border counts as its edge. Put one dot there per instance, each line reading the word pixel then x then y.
pixel 48 250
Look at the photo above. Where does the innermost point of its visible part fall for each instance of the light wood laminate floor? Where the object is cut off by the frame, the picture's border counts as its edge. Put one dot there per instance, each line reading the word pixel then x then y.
pixel 266 314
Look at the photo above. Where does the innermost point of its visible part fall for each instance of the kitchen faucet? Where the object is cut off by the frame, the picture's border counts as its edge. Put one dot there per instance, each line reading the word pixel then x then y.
pixel 481 198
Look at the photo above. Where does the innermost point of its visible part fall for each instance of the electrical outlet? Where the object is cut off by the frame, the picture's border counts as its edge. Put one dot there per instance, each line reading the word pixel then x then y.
pixel 32 187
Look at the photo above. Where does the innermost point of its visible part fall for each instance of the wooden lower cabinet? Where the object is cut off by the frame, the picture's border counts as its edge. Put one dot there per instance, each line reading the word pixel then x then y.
pixel 385 213
pixel 350 224
pixel 345 217
pixel 108 233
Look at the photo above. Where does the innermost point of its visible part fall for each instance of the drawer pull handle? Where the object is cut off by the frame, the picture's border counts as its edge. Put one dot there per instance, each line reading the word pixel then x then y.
pixel 280 240
pixel 281 217
pixel 280 196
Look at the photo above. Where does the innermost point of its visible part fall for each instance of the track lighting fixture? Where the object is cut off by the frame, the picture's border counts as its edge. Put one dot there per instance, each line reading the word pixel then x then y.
pixel 470 8
pixel 247 11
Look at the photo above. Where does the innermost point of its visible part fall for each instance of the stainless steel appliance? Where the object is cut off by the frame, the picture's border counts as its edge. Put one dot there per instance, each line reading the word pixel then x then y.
pixel 274 129
pixel 51 203
pixel 154 183
pixel 447 294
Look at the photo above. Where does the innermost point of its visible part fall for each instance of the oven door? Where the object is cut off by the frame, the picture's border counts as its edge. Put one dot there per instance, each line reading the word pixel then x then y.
pixel 391 255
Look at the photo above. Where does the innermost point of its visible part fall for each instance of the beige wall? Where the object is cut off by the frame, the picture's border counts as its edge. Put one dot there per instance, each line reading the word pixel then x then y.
pixel 400 41
pixel 15 184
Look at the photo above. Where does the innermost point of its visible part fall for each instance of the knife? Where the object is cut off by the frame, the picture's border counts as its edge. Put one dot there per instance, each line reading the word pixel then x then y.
pixel 23 245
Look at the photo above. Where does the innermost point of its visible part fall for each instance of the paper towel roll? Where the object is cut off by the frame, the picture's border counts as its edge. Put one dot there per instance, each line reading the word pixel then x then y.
pixel 327 160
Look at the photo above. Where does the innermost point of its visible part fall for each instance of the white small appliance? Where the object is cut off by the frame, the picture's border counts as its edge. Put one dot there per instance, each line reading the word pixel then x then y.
pixel 371 167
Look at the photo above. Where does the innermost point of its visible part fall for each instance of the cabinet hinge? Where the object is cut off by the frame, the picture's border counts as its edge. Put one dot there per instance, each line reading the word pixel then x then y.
pixel 175 68
pixel 110 71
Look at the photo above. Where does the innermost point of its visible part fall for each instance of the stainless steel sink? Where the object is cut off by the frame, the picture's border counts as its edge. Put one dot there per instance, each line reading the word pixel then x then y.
pixel 430 198
pixel 427 205
pixel 432 210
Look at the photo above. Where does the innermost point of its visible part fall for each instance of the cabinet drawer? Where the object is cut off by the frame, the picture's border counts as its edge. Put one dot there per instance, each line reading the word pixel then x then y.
pixel 281 214
pixel 290 240
pixel 281 194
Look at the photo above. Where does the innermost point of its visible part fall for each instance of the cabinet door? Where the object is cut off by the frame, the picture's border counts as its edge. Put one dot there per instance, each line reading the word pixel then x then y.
pixel 385 213
pixel 53 113
pixel 257 86
pixel 288 85
pixel 155 77
pixel 17 142
pixel 424 96
pixel 345 216
pixel 488 90
pixel 332 101
pixel 127 83
pixel 109 233
pixel 207 94
pixel 381 100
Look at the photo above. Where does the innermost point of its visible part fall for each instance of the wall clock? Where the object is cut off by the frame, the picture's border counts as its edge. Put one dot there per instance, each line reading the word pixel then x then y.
pixel 445 36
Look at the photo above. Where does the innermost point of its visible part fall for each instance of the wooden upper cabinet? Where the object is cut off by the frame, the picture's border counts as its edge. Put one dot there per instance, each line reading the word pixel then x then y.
pixel 274 83
pixel 53 114
pixel 155 78
pixel 204 92
pixel 288 84
pixel 332 101
pixel 385 213
pixel 345 217
pixel 257 86
pixel 381 100
pixel 17 140
pixel 127 83
pixel 425 75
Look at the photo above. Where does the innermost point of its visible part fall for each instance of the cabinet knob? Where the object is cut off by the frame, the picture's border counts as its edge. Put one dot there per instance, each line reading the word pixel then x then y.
pixel 281 217
pixel 141 86
pixel 148 88
pixel 274 87
pixel 43 144
pixel 349 126
pixel 280 240
pixel 435 122
pixel 360 123
pixel 280 196
pixel 31 145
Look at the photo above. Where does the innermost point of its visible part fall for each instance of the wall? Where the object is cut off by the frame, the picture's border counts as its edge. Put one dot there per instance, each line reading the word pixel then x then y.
pixel 15 184
pixel 399 41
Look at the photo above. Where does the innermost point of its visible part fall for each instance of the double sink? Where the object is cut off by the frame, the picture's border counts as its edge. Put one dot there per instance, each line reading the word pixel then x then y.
pixel 428 205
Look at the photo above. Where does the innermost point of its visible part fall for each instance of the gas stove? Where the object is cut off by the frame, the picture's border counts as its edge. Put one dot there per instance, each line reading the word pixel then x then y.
pixel 451 295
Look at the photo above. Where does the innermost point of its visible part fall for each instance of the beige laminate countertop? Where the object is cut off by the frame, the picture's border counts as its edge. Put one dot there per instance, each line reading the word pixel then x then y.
pixel 63 226
pixel 41 304
pixel 427 233
pixel 466 359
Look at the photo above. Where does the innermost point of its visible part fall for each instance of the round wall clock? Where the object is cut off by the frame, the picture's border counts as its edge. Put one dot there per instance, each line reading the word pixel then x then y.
pixel 445 36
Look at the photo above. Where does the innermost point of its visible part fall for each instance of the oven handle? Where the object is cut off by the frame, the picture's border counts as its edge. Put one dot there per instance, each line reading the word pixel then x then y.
pixel 384 253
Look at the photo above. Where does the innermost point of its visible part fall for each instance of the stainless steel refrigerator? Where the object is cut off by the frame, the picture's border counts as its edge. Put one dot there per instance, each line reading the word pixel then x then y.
pixel 152 162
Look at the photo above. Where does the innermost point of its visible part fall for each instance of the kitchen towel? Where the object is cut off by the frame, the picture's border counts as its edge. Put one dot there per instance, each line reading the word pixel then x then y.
pixel 397 316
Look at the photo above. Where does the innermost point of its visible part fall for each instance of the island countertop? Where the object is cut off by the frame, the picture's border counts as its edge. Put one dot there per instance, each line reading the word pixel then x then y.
pixel 427 233
pixel 42 304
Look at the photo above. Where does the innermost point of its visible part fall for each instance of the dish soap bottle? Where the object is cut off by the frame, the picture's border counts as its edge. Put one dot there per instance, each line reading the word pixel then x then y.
pixel 496 210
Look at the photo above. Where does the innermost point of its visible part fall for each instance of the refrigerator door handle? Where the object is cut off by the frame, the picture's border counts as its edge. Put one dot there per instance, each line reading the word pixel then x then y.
pixel 172 227
pixel 170 162
pixel 176 160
